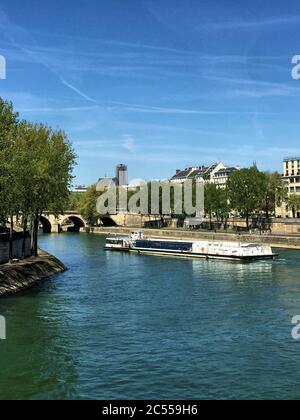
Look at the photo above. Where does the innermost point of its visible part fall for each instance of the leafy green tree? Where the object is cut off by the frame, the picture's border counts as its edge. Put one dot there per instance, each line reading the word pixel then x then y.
pixel 246 191
pixel 25 174
pixel 222 206
pixel 88 205
pixel 9 187
pixel 210 199
pixel 36 165
pixel 216 203
pixel 54 160
pixel 74 201
pixel 294 203
pixel 8 121
pixel 275 192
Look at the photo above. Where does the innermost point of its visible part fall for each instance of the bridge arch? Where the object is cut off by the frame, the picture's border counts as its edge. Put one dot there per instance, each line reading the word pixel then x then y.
pixel 77 223
pixel 46 224
pixel 108 221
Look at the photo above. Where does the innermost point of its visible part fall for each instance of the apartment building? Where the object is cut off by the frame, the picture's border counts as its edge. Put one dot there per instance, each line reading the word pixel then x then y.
pixel 216 173
pixel 291 174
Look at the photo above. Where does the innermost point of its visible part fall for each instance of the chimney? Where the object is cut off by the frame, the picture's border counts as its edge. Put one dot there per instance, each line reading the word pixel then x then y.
pixel 178 171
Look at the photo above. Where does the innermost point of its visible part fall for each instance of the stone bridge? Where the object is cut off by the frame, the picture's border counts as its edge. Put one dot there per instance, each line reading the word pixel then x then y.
pixel 72 221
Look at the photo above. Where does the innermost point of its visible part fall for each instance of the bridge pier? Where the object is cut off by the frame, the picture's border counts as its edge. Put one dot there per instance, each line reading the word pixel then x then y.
pixel 56 228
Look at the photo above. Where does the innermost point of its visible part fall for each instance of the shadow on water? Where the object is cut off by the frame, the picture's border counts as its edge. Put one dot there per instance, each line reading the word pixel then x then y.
pixel 35 361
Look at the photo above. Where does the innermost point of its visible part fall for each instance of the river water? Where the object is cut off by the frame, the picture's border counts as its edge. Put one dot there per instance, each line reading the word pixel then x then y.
pixel 118 326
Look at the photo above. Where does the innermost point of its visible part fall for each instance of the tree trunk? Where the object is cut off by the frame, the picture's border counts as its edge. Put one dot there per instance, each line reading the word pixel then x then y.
pixel 225 223
pixel 31 234
pixel 25 221
pixel 11 237
pixel 36 221
pixel 267 210
pixel 247 220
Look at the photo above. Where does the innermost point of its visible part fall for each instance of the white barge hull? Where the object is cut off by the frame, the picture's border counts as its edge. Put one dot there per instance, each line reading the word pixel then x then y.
pixel 185 249
pixel 203 256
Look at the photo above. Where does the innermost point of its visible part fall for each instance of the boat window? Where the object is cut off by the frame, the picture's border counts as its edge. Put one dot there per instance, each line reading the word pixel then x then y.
pixel 176 246
pixel 114 241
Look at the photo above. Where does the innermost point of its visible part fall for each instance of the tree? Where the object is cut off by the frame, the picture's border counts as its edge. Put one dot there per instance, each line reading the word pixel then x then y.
pixel 294 203
pixel 246 191
pixel 88 205
pixel 9 188
pixel 8 120
pixel 24 174
pixel 36 165
pixel 53 160
pixel 210 200
pixel 216 203
pixel 222 207
pixel 75 201
pixel 275 192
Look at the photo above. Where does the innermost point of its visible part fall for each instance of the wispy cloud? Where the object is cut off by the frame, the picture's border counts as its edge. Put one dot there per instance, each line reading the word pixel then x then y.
pixel 256 88
pixel 164 130
pixel 57 110
pixel 109 42
pixel 129 143
pixel 126 143
pixel 29 103
pixel 190 156
pixel 18 37
pixel 76 90
pixel 250 24
pixel 183 152
pixel 127 107
pixel 123 59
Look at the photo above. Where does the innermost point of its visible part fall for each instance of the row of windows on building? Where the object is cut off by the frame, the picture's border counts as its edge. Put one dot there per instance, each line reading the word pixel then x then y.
pixel 294 189
pixel 294 180
pixel 291 167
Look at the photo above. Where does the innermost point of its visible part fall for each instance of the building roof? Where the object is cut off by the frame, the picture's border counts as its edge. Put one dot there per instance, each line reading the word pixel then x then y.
pixel 192 172
pixel 196 173
pixel 226 170
pixel 211 168
pixel 182 174
pixel 291 158
pixel 202 172
pixel 79 188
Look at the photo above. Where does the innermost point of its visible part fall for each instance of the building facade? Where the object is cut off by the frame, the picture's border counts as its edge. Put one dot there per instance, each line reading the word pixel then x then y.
pixel 221 176
pixel 122 175
pixel 79 189
pixel 216 173
pixel 120 180
pixel 291 175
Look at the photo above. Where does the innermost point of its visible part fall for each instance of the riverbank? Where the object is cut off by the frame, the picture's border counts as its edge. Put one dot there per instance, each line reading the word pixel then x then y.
pixel 276 241
pixel 22 275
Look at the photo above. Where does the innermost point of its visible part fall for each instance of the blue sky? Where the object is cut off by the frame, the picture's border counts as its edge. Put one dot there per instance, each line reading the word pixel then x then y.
pixel 157 85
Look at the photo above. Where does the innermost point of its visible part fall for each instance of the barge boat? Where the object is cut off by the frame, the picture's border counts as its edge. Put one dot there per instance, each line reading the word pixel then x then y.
pixel 234 251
